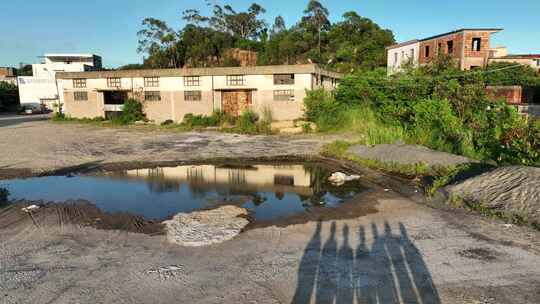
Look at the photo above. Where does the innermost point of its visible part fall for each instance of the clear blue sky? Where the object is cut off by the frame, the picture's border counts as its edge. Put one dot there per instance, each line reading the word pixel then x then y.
pixel 108 27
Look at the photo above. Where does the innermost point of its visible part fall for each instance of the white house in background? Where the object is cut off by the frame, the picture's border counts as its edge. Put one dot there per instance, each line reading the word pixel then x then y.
pixel 42 88
pixel 400 54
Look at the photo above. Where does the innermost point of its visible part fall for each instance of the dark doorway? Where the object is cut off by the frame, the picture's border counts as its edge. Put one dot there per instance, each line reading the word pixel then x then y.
pixel 115 97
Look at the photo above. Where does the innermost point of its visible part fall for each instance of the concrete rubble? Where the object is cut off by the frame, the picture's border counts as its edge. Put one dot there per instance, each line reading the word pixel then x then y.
pixel 202 228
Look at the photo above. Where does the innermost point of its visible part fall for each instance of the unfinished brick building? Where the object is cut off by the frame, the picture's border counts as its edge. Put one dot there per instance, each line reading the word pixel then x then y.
pixel 471 48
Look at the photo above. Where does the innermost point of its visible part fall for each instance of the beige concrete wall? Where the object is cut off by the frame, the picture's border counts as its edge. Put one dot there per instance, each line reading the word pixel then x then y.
pixel 173 106
pixel 159 110
pixel 281 110
pixel 469 62
pixel 91 108
pixel 182 107
pixel 405 53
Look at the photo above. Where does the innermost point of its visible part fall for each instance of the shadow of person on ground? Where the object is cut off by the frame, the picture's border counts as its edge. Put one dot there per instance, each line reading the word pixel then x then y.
pixel 391 271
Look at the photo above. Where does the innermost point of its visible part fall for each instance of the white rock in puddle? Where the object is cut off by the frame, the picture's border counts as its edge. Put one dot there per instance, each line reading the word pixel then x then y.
pixel 30 208
pixel 340 178
pixel 202 228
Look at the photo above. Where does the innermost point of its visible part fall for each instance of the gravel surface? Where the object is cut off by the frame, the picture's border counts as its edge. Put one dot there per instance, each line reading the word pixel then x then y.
pixel 397 251
pixel 407 155
pixel 45 146
pixel 514 189
pixel 403 253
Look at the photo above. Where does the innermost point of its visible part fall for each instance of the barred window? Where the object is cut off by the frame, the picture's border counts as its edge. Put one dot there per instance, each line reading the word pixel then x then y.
pixel 151 82
pixel 80 96
pixel 283 79
pixel 235 80
pixel 79 83
pixel 152 95
pixel 192 81
pixel 113 82
pixel 192 95
pixel 284 95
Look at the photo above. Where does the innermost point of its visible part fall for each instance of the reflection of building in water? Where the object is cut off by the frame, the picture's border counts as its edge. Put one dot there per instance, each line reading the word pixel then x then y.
pixel 288 178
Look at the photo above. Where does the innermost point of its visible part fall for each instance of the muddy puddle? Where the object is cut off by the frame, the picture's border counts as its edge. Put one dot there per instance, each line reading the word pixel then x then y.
pixel 270 192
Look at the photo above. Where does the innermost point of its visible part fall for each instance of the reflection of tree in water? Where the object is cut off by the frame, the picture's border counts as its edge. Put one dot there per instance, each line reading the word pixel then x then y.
pixel 258 199
pixel 4 197
pixel 158 183
pixel 392 271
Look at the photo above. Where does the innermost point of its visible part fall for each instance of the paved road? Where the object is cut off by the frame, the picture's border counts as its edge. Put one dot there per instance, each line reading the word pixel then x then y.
pixel 12 119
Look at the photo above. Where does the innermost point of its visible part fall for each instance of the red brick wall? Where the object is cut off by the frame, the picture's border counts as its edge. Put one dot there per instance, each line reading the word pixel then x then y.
pixel 458 39
pixel 512 94
pixel 484 46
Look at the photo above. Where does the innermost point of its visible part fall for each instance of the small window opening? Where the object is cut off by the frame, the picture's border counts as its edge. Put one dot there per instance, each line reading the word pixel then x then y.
pixel 476 44
pixel 450 46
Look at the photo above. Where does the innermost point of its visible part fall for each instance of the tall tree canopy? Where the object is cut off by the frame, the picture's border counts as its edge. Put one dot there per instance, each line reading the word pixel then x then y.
pixel 351 43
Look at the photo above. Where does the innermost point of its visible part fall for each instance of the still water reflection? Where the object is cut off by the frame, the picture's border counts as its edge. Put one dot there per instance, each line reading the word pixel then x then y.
pixel 270 191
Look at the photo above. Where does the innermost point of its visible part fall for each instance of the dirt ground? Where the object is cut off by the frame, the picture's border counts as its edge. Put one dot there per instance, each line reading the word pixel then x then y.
pixel 45 146
pixel 386 248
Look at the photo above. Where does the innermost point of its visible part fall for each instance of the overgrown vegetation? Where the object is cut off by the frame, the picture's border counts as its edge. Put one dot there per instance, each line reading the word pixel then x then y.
pixel 248 122
pixel 437 106
pixel 9 97
pixel 353 43
pixel 338 149
pixel 132 112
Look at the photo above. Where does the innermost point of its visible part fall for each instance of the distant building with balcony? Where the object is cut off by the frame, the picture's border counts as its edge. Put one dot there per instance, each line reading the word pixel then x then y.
pixel 42 88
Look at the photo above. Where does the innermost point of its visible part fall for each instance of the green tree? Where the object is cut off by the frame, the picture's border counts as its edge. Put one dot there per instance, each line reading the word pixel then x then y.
pixel 279 25
pixel 25 70
pixel 316 18
pixel 158 39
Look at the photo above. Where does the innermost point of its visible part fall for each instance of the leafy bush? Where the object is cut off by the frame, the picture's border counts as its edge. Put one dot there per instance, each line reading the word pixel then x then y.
pixel 59 117
pixel 192 121
pixel 167 122
pixel 9 97
pixel 247 122
pixel 436 105
pixel 132 112
pixel 436 125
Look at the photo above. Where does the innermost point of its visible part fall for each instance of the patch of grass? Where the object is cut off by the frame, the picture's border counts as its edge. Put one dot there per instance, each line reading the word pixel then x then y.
pixel 483 209
pixel 338 149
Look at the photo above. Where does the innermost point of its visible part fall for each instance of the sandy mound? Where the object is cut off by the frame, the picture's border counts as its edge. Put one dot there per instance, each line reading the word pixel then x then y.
pixel 201 228
pixel 408 155
pixel 513 189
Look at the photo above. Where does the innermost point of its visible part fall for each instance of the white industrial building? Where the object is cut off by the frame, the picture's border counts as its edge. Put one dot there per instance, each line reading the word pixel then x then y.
pixel 42 88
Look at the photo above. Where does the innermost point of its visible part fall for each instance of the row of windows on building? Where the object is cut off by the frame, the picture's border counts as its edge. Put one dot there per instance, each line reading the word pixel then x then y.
pixel 189 81
pixel 476 46
pixel 279 95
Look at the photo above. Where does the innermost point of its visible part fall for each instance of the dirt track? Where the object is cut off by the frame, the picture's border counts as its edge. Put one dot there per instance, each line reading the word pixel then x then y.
pixel 398 252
